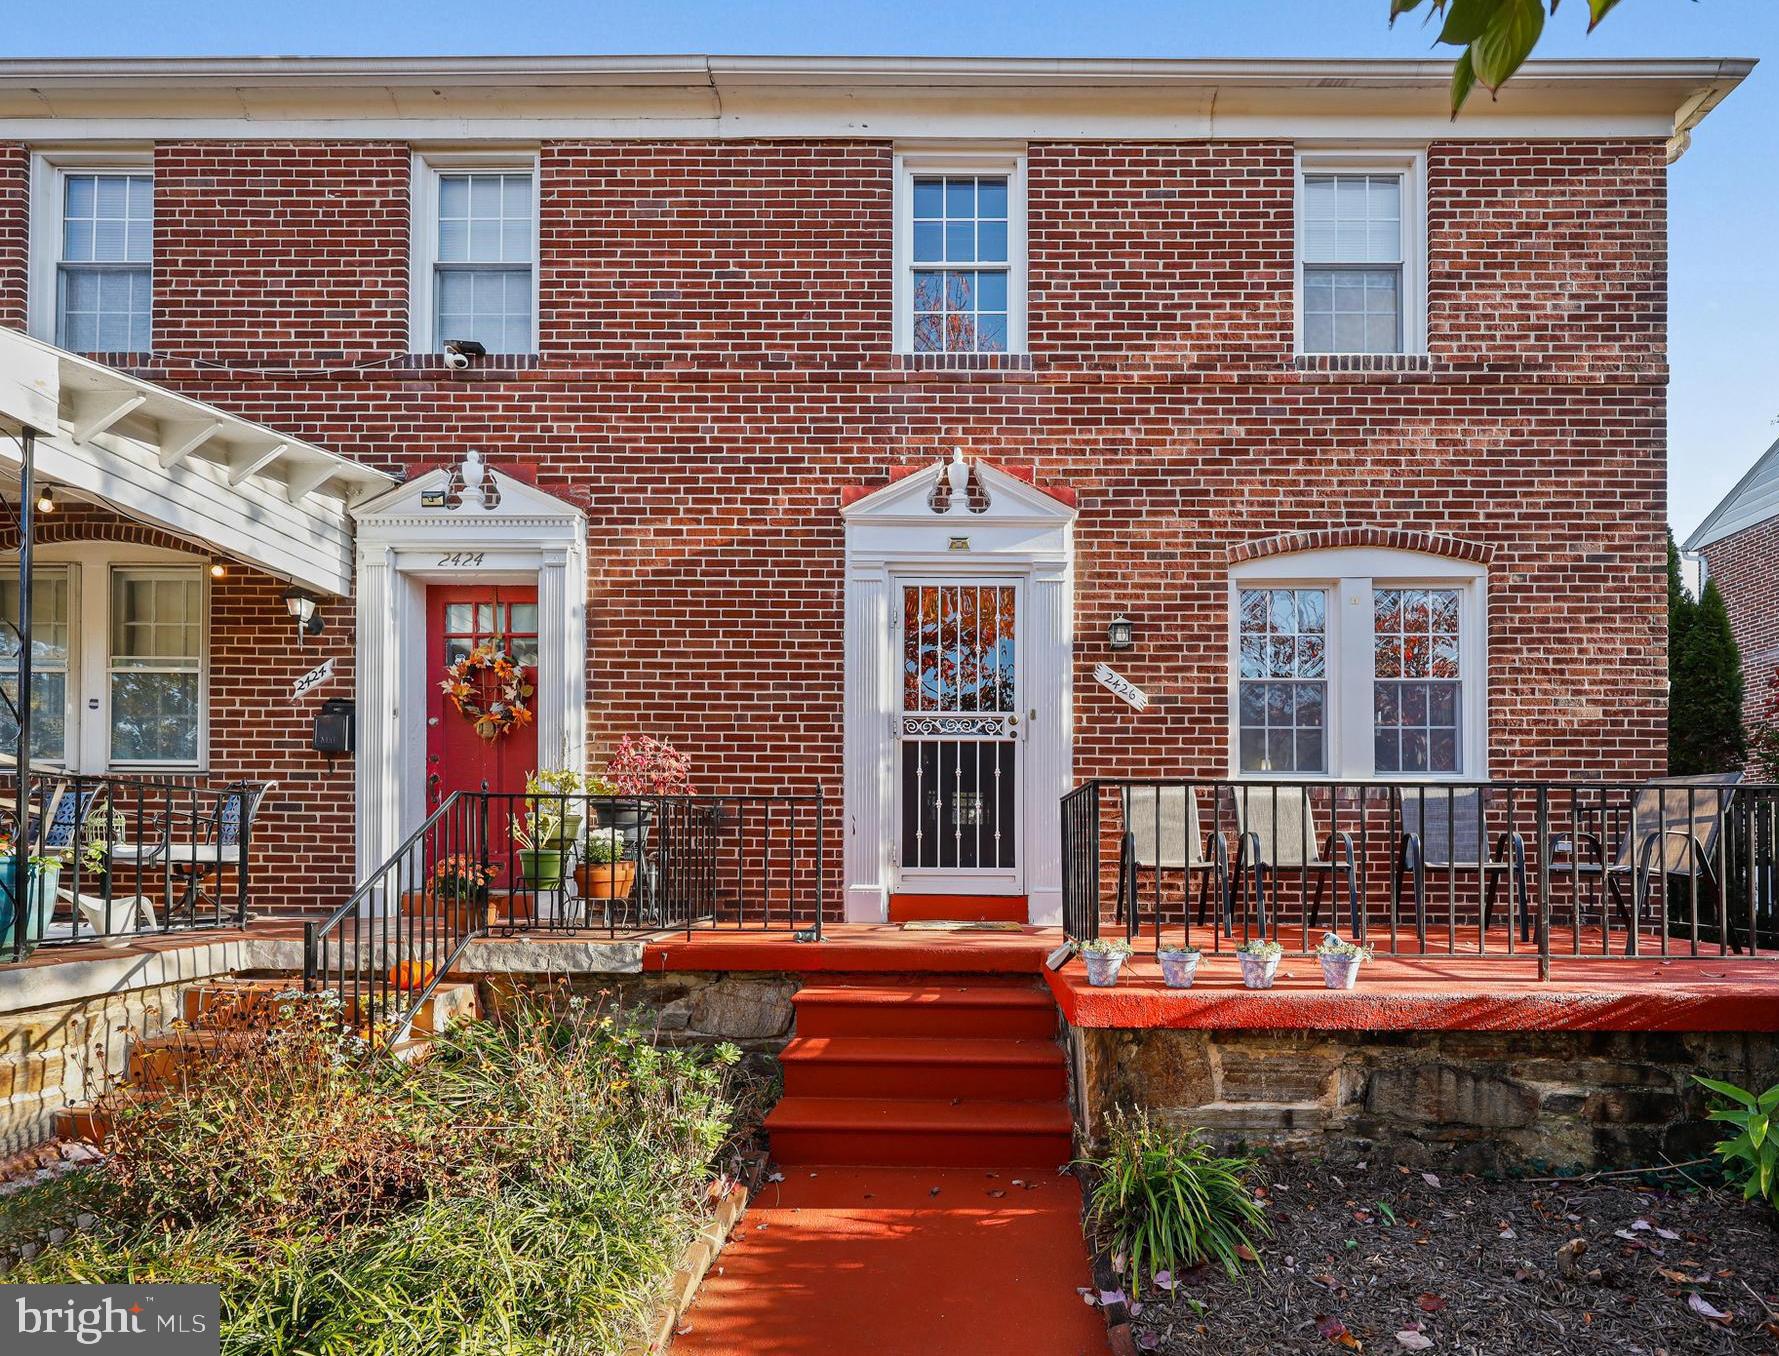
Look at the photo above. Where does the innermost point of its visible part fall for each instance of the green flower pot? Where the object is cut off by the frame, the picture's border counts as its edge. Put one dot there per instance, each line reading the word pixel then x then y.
pixel 543 868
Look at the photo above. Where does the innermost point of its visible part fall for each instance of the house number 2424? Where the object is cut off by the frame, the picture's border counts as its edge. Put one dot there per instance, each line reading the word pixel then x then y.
pixel 459 559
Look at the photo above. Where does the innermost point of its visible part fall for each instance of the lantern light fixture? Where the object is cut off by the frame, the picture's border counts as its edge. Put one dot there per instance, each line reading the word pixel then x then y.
pixel 218 570
pixel 46 500
pixel 305 608
pixel 1120 634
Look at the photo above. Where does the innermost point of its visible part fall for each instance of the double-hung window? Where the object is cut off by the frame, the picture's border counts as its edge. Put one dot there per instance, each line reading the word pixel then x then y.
pixel 156 665
pixel 1355 663
pixel 1359 247
pixel 475 264
pixel 92 253
pixel 960 254
pixel 49 663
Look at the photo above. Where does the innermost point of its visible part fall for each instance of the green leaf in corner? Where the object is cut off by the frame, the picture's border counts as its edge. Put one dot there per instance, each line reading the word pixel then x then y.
pixel 1468 20
pixel 1730 1090
pixel 1597 10
pixel 1507 41
pixel 1463 81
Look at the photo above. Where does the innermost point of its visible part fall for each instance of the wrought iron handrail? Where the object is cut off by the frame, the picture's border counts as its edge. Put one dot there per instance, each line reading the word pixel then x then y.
pixel 1671 867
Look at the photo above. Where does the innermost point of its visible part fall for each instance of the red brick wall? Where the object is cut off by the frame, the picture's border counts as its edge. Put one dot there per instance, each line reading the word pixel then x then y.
pixel 15 217
pixel 715 366
pixel 1746 568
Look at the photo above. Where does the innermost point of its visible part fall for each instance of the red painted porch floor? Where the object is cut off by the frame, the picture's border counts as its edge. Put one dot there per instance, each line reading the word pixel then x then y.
pixel 901 1260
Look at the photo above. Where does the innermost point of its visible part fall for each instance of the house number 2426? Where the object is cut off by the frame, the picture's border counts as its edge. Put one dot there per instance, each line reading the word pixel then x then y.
pixel 459 559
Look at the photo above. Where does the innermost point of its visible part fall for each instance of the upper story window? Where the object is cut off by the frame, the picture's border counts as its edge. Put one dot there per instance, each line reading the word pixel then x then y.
pixel 1355 663
pixel 1360 254
pixel 960 253
pixel 475 253
pixel 92 245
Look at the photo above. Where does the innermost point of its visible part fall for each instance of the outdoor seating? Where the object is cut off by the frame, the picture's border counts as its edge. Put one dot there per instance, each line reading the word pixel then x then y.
pixel 1444 830
pixel 199 848
pixel 1279 832
pixel 1162 834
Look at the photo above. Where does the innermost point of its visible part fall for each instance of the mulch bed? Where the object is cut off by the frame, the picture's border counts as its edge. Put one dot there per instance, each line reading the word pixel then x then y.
pixel 1385 1260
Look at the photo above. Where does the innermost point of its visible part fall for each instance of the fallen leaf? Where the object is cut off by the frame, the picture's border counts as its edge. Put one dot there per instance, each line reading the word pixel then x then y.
pixel 1323 1278
pixel 997 1193
pixel 1508 1233
pixel 1111 1297
pixel 1414 1341
pixel 1707 1311
pixel 1430 1303
pixel 1164 1280
pixel 1431 1179
pixel 1247 1254
pixel 1336 1331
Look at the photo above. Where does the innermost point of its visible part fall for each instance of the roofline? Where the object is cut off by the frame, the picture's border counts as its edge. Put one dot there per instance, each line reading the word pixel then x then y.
pixel 1701 535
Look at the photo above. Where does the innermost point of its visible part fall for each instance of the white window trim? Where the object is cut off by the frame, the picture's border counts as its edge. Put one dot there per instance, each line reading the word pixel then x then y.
pixel 1009 161
pixel 423 226
pixel 87 746
pixel 49 168
pixel 71 665
pixel 1349 575
pixel 1410 164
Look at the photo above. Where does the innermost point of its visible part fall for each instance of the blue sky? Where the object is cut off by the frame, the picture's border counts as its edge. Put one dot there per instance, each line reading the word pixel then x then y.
pixel 1724 271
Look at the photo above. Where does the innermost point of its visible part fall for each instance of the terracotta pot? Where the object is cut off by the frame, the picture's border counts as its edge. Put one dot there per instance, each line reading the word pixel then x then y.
pixel 1178 968
pixel 456 913
pixel 610 880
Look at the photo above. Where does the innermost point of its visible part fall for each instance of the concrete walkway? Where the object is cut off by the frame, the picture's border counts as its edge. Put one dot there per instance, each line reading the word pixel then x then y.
pixel 884 1261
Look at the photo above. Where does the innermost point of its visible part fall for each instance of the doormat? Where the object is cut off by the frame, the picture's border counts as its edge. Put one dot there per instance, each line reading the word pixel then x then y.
pixel 957 925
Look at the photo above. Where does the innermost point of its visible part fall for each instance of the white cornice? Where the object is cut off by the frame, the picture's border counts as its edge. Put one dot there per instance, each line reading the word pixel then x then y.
pixel 485 98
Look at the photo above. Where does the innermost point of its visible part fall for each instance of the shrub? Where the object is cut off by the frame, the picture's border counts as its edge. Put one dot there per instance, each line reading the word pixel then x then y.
pixel 1161 1200
pixel 525 1189
pixel 1751 1157
pixel 641 766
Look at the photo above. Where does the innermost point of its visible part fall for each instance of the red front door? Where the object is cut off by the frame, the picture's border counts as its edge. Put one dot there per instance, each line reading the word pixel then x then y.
pixel 457 620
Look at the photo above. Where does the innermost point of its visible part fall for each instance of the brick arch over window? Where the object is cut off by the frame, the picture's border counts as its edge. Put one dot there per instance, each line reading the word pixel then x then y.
pixel 1423 543
pixel 73 522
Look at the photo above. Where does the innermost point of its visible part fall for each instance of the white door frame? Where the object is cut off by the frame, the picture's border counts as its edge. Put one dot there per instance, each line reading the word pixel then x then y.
pixel 1020 531
pixel 978 880
pixel 413 537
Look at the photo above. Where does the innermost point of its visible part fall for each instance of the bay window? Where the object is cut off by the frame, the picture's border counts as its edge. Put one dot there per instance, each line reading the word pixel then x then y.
pixel 1358 663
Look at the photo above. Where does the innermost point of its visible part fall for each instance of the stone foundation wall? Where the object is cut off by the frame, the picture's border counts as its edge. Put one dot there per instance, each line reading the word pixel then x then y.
pixel 1477 1101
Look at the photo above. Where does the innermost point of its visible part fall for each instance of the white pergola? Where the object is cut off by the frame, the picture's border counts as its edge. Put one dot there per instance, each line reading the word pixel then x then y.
pixel 198 472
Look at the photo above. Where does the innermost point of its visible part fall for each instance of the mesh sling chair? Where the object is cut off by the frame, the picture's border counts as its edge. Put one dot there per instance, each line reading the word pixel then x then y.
pixel 213 843
pixel 1279 832
pixel 1671 829
pixel 1162 834
pixel 1444 829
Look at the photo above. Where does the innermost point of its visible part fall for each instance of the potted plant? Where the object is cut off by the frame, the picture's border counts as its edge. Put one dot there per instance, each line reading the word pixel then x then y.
pixel 641 766
pixel 457 891
pixel 42 875
pixel 1104 957
pixel 602 872
pixel 543 859
pixel 1178 965
pixel 1341 960
pixel 558 790
pixel 1260 962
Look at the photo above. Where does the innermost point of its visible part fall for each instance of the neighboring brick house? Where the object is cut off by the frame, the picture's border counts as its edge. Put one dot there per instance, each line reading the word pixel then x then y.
pixel 1739 544
pixel 1272 359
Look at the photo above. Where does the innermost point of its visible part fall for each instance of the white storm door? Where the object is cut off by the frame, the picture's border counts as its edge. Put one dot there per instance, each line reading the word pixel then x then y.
pixel 959 765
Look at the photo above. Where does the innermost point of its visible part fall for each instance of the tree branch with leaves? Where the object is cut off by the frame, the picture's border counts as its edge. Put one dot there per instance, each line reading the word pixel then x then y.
pixel 1497 36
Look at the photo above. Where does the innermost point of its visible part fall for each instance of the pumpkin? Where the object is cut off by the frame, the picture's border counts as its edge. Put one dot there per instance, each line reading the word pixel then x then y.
pixel 410 974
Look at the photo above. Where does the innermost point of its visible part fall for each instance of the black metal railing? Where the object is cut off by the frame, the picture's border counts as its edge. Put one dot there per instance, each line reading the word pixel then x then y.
pixel 115 855
pixel 503 864
pixel 1669 867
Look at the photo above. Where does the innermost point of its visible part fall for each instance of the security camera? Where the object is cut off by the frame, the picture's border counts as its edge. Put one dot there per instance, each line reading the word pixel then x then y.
pixel 458 352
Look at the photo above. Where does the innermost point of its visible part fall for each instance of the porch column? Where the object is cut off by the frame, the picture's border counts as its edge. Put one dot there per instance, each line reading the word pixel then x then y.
pixel 377 772
pixel 561 702
pixel 1050 738
pixel 869 748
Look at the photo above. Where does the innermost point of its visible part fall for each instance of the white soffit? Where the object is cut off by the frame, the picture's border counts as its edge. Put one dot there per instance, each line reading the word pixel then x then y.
pixel 196 471
pixel 470 98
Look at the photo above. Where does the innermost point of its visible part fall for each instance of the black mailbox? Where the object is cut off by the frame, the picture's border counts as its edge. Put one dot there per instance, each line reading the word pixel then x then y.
pixel 334 726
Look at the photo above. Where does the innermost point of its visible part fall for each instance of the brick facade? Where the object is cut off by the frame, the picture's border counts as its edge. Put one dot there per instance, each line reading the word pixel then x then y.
pixel 715 366
pixel 1746 568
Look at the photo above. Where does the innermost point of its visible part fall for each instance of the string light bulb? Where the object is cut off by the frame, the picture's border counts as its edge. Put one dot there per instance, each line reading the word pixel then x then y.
pixel 46 500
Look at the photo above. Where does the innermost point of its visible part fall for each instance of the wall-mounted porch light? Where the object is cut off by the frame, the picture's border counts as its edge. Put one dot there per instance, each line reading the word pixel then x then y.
pixel 218 570
pixel 1120 634
pixel 305 608
pixel 46 501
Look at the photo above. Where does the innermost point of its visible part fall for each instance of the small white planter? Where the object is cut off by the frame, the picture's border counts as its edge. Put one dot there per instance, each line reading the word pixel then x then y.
pixel 1258 971
pixel 1340 972
pixel 1102 967
pixel 1178 968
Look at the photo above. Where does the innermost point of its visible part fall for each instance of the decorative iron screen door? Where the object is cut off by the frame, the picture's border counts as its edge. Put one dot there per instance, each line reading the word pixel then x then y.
pixel 958 735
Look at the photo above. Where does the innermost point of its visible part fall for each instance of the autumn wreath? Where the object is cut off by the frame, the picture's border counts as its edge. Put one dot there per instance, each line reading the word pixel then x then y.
pixel 490 689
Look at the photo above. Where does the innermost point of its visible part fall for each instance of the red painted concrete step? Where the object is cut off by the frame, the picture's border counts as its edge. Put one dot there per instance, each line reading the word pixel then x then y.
pixel 963 1011
pixel 932 1069
pixel 958 908
pixel 892 1132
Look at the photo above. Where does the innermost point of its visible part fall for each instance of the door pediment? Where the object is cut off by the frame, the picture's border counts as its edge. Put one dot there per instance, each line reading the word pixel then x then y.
pixel 999 497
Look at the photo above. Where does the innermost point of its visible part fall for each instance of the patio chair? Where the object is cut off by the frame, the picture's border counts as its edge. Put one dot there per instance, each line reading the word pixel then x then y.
pixel 218 842
pixel 1443 829
pixel 1162 834
pixel 1279 831
pixel 1670 829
